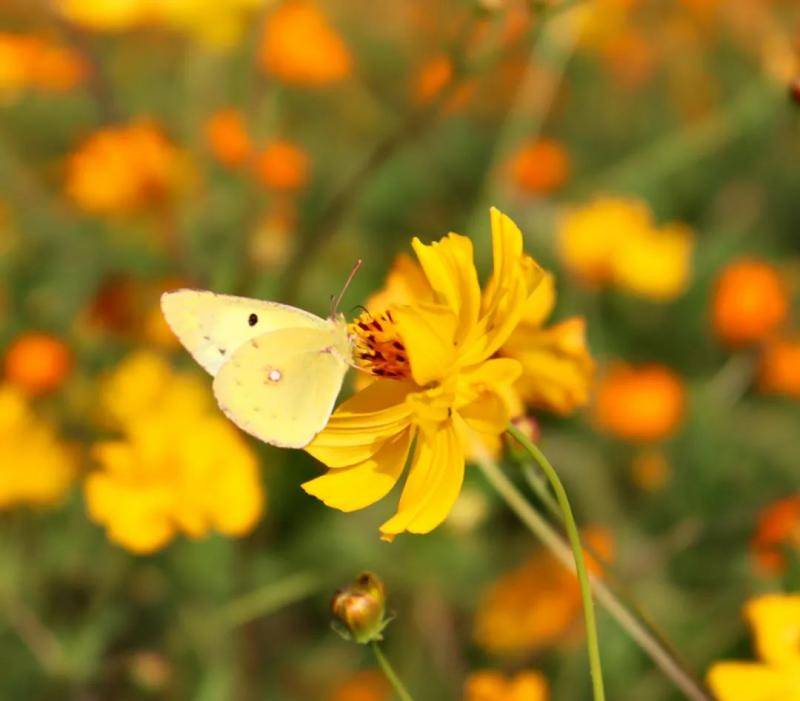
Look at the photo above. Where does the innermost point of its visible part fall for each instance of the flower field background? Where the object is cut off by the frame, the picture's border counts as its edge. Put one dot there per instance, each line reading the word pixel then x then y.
pixel 648 152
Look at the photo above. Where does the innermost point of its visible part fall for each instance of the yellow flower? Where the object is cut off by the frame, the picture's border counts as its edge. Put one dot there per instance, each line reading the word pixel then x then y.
pixel 614 241
pixel 438 384
pixel 657 266
pixel 144 384
pixel 105 15
pixel 557 369
pixel 775 621
pixel 178 467
pixel 36 467
pixel 218 24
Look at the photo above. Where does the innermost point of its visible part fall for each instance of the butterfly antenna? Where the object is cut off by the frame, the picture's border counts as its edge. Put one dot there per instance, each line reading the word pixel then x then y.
pixel 337 301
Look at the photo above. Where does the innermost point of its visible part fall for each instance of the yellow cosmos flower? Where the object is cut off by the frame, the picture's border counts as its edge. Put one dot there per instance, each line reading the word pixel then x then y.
pixel 775 621
pixel 177 468
pixel 217 24
pixel 557 369
pixel 438 383
pixel 35 466
pixel 615 241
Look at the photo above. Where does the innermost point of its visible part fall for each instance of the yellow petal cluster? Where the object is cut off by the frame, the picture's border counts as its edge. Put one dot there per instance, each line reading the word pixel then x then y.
pixel 442 387
pixel 177 467
pixel 615 241
pixel 775 622
pixel 557 369
pixel 220 23
pixel 36 467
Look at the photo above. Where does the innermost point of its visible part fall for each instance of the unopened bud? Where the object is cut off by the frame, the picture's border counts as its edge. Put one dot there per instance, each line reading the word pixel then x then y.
pixel 529 427
pixel 359 609
pixel 794 90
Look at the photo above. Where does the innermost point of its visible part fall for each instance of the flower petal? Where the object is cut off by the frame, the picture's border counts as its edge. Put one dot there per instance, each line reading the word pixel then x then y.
pixel 735 681
pixel 434 482
pixel 428 333
pixel 541 301
pixel 557 369
pixel 488 414
pixel 450 269
pixel 513 281
pixel 359 426
pixel 405 284
pixel 360 485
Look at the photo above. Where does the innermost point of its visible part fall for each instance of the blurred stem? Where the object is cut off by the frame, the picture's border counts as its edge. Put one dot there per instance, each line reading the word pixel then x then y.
pixel 388 670
pixel 592 643
pixel 636 629
pixel 40 640
pixel 673 152
pixel 269 598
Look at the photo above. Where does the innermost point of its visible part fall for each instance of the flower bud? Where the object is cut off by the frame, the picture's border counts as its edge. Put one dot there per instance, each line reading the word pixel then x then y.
pixel 794 90
pixel 359 609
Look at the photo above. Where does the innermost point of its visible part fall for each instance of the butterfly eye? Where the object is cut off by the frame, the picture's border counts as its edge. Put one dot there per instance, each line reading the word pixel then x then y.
pixel 253 319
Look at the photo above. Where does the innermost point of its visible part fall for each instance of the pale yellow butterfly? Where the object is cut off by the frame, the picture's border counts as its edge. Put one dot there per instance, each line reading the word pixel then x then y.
pixel 277 369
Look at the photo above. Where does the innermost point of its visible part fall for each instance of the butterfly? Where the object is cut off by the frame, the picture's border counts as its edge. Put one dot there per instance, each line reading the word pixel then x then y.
pixel 277 369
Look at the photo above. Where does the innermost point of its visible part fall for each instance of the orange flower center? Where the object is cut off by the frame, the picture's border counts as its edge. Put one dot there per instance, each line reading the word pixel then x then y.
pixel 378 348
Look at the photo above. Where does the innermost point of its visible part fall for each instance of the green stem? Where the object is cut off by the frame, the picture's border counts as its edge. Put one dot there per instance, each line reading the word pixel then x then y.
pixel 639 633
pixel 388 670
pixel 577 553
pixel 269 598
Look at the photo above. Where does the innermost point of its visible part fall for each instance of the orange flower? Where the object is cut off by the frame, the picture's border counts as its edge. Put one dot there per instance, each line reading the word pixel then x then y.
pixel 434 76
pixel 537 604
pixel 227 137
pixel 640 403
pixel 779 371
pixel 489 685
pixel 122 169
pixel 33 62
pixel 37 363
pixel 750 302
pixel 365 685
pixel 282 165
pixel 778 530
pixel 300 46
pixel 540 167
pixel 650 470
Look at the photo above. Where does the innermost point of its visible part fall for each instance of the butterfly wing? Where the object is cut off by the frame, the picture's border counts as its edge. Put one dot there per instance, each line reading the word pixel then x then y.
pixel 281 386
pixel 213 326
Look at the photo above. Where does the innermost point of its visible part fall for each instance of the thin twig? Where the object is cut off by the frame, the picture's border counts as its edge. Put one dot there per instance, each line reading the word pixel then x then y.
pixel 268 599
pixel 40 640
